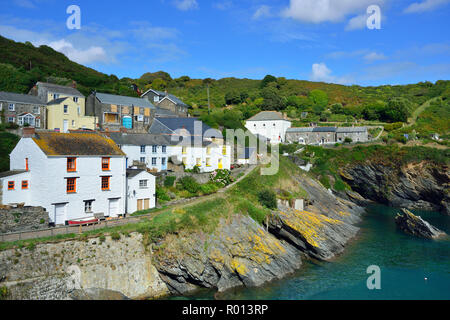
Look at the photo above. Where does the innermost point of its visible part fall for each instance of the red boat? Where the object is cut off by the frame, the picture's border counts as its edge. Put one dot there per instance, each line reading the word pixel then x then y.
pixel 81 222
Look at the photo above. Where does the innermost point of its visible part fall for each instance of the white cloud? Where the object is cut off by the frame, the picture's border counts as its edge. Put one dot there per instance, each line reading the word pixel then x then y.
pixel 374 56
pixel 321 73
pixel 426 5
pixel 318 11
pixel 261 12
pixel 358 22
pixel 88 55
pixel 25 4
pixel 223 5
pixel 185 5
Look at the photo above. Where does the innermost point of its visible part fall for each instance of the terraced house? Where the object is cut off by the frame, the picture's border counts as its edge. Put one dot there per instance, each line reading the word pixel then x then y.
pixel 115 112
pixel 326 135
pixel 166 101
pixel 22 109
pixel 74 176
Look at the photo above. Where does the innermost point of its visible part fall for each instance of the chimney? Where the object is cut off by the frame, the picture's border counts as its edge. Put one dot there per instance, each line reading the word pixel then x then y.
pixel 28 132
pixel 74 84
pixel 165 92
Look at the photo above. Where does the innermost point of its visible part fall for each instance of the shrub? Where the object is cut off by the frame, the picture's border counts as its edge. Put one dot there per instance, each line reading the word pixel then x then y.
pixel 209 188
pixel 348 140
pixel 268 198
pixel 161 194
pixel 102 238
pixel 222 176
pixel 115 236
pixel 4 292
pixel 189 184
pixel 169 181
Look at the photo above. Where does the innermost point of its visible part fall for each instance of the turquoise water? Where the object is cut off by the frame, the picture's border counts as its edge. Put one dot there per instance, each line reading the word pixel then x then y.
pixel 404 261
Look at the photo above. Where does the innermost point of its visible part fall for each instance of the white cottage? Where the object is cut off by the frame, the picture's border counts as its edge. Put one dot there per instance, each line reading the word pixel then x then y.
pixel 141 190
pixel 269 124
pixel 74 176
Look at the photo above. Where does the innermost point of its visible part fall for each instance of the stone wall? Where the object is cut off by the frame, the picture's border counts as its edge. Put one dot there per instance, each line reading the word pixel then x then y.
pixel 56 270
pixel 23 219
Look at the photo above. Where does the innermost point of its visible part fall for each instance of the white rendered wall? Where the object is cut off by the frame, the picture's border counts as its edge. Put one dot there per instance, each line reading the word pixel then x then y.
pixel 275 130
pixel 135 193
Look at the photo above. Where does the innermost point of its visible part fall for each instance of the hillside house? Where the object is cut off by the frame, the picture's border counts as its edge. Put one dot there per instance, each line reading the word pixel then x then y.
pixel 166 101
pixel 149 149
pixel 47 92
pixel 326 135
pixel 193 143
pixel 269 124
pixel 22 109
pixel 74 176
pixel 115 112
pixel 64 114
pixel 141 190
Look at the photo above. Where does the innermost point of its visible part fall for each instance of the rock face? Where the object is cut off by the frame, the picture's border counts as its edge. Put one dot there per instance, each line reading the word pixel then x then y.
pixel 97 294
pixel 239 252
pixel 421 185
pixel 416 226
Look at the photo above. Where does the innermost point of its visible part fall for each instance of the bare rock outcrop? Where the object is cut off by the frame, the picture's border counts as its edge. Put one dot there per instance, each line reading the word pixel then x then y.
pixel 416 226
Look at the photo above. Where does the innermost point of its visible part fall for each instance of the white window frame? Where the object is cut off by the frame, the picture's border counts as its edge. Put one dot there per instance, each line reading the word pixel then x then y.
pixel 142 158
pixel 64 109
pixel 142 149
pixel 88 205
pixel 37 110
pixel 11 107
pixel 154 149
pixel 143 184
pixel 164 149
pixel 154 161
pixel 11 118
pixel 75 99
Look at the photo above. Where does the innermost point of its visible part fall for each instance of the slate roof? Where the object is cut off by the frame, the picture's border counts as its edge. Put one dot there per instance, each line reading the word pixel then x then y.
pixel 171 124
pixel 55 88
pixel 160 112
pixel 131 173
pixel 57 101
pixel 11 173
pixel 137 139
pixel 267 116
pixel 161 94
pixel 107 98
pixel 312 129
pixel 76 144
pixel 351 129
pixel 20 98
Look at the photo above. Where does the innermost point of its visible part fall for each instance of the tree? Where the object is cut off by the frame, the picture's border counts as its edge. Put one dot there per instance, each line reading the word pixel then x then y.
pixel 159 84
pixel 232 97
pixel 272 100
pixel 319 100
pixel 337 108
pixel 397 110
pixel 267 79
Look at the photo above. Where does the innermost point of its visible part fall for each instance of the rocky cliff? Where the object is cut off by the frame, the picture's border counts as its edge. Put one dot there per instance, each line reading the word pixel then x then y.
pixel 424 185
pixel 239 252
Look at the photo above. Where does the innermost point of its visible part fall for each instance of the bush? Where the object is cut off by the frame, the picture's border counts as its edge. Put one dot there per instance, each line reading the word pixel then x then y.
pixel 222 177
pixel 115 236
pixel 348 140
pixel 268 198
pixel 208 188
pixel 393 126
pixel 169 181
pixel 4 293
pixel 189 184
pixel 161 194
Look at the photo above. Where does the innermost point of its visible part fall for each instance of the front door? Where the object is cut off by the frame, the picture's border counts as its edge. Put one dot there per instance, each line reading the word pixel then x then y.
pixel 140 205
pixel 113 207
pixel 146 204
pixel 60 214
pixel 220 164
pixel 65 126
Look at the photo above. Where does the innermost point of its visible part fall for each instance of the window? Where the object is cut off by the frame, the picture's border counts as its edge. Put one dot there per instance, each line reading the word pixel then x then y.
pixel 164 149
pixel 143 160
pixel 37 110
pixel 10 185
pixel 71 185
pixel 71 164
pixel 224 150
pixel 154 149
pixel 55 96
pixel 142 149
pixel 105 183
pixel 106 164
pixel 163 161
pixel 156 99
pixel 11 107
pixel 26 119
pixel 25 184
pixel 11 119
pixel 153 161
pixel 75 99
pixel 143 184
pixel 38 123
pixel 88 206
pixel 73 123
pixel 66 108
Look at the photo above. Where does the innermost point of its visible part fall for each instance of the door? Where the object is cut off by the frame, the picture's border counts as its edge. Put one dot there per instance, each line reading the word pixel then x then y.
pixel 113 207
pixel 60 214
pixel 220 164
pixel 146 204
pixel 140 206
pixel 65 126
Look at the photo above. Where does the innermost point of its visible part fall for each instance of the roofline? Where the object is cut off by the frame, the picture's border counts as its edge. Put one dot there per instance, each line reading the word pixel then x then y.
pixel 149 91
pixel 42 104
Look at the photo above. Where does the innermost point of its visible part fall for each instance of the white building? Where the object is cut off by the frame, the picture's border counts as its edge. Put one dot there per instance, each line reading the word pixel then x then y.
pixel 74 176
pixel 141 190
pixel 193 143
pixel 269 124
pixel 149 149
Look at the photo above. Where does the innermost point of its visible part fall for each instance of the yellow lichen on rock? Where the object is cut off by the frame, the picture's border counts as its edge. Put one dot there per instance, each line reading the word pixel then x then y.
pixel 238 266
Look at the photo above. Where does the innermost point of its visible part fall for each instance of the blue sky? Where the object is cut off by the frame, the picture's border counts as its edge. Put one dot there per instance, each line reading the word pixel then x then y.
pixel 321 40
